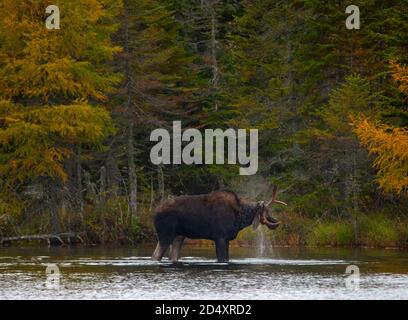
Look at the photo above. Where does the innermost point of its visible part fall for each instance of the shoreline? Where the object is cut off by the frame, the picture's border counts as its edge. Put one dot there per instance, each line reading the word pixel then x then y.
pixel 203 244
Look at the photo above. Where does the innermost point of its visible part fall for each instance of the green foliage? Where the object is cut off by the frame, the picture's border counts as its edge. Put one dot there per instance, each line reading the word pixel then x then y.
pixel 350 99
pixel 77 106
pixel 111 223
pixel 52 65
pixel 379 230
pixel 390 145
pixel 376 229
pixel 338 233
pixel 33 140
pixel 48 76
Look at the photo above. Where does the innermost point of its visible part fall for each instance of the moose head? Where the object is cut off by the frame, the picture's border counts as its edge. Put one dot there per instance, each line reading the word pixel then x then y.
pixel 263 217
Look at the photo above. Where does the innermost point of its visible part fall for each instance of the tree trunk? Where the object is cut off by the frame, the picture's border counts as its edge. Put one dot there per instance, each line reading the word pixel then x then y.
pixel 112 174
pixel 132 172
pixel 53 205
pixel 289 61
pixel 213 45
pixel 130 143
pixel 79 186
pixel 151 193
pixel 355 200
pixel 102 186
pixel 161 182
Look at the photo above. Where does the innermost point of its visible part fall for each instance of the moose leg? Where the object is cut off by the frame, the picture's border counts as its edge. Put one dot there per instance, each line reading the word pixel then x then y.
pixel 221 249
pixel 165 230
pixel 159 252
pixel 175 248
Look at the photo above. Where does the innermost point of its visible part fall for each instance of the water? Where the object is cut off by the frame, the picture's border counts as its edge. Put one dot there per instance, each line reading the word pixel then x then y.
pixel 264 244
pixel 128 273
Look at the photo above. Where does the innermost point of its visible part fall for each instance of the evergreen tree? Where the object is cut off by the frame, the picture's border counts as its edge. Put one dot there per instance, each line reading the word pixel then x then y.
pixel 157 90
pixel 389 144
pixel 205 25
pixel 49 78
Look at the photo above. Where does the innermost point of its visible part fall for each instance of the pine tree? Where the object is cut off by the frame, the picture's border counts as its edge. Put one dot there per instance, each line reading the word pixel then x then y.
pixel 294 62
pixel 157 88
pixel 388 143
pixel 205 25
pixel 205 28
pixel 266 85
pixel 49 79
pixel 266 45
pixel 347 171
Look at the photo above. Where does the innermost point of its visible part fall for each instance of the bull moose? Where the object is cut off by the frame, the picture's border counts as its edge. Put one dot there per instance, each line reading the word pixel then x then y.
pixel 217 216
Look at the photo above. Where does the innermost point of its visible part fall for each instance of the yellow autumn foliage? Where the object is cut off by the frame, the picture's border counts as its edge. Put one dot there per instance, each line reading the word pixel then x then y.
pixel 50 83
pixel 49 64
pixel 400 75
pixel 34 141
pixel 390 145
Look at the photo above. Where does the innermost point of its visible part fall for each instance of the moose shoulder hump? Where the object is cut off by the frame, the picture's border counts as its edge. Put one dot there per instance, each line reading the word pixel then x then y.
pixel 228 197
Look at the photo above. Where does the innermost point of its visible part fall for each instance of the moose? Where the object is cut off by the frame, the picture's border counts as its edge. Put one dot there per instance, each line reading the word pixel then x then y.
pixel 218 216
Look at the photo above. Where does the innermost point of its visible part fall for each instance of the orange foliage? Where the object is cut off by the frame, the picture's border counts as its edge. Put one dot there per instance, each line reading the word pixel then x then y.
pixel 400 75
pixel 391 147
pixel 390 144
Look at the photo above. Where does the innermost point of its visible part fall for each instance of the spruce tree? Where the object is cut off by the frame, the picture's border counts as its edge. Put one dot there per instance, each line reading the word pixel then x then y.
pixel 52 83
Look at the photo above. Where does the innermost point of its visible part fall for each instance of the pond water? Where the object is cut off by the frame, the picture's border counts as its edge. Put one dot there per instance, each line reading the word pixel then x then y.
pixel 128 273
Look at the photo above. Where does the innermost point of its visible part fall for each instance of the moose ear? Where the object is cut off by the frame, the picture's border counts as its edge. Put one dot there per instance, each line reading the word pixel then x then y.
pixel 255 222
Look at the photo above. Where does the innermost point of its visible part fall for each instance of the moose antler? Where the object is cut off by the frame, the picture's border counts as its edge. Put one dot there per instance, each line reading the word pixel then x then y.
pixel 275 190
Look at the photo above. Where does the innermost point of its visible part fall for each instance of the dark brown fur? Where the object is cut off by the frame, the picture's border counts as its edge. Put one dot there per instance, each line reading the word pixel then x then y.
pixel 217 216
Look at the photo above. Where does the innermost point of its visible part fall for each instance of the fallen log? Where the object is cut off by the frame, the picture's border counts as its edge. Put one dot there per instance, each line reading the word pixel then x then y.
pixel 47 237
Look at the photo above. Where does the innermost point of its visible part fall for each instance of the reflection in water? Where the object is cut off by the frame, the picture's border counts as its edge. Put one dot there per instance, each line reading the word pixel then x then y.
pixel 128 273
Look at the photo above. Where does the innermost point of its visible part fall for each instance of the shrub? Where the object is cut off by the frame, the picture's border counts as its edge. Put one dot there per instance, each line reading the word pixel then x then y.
pixel 332 233
pixel 378 230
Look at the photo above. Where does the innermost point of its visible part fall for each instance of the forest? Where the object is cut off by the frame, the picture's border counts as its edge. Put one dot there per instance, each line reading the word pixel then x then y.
pixel 78 105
